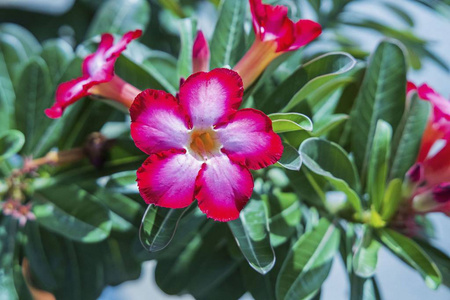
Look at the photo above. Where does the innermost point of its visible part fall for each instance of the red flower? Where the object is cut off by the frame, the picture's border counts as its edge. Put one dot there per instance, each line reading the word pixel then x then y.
pixel 433 200
pixel 275 34
pixel 200 54
pixel 98 77
pixel 200 145
pixel 434 154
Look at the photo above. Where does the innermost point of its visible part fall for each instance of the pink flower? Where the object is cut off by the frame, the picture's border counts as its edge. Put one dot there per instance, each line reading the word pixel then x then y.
pixel 200 54
pixel 434 154
pixel 433 200
pixel 200 145
pixel 20 212
pixel 98 77
pixel 275 34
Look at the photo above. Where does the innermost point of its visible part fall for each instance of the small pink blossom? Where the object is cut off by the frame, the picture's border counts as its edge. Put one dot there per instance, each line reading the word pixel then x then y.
pixel 98 77
pixel 200 54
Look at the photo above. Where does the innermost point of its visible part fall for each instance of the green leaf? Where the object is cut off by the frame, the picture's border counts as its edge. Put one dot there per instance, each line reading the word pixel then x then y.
pixel 7 246
pixel 382 96
pixel 73 213
pixel 120 16
pixel 33 94
pixel 227 40
pixel 440 258
pixel 363 288
pixel 30 44
pixel 187 34
pixel 366 255
pixel 331 161
pixel 291 158
pixel 410 252
pixel 378 164
pixel 158 226
pixel 251 231
pixel 296 87
pixel 308 263
pixel 407 138
pixel 328 123
pixel 10 143
pixel 287 122
pixel 57 54
pixel 285 215
pixel 122 182
pixel 392 199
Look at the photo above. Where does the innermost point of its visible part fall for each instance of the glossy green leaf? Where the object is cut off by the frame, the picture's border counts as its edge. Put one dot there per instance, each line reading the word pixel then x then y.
pixel 291 158
pixel 296 87
pixel 363 288
pixel 308 263
pixel 8 230
pixel 392 199
pixel 407 138
pixel 366 255
pixel 34 94
pixel 10 143
pixel 158 226
pixel 441 259
pixel 187 34
pixel 120 16
pixel 73 213
pixel 416 257
pixel 378 98
pixel 227 40
pixel 285 216
pixel 29 43
pixel 251 231
pixel 328 123
pixel 287 122
pixel 122 182
pixel 379 163
pixel 329 160
pixel 57 54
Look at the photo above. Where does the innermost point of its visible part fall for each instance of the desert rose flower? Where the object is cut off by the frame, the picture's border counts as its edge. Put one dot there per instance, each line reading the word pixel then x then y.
pixel 98 77
pixel 433 200
pixel 434 154
pixel 200 54
pixel 200 145
pixel 275 35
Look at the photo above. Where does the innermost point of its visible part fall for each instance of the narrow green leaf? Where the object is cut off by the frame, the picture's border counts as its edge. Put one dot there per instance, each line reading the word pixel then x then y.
pixel 416 257
pixel 287 122
pixel 226 42
pixel 73 213
pixel 120 16
pixel 10 143
pixel 366 255
pixel 34 95
pixel 331 161
pixel 407 138
pixel 122 182
pixel 291 158
pixel 328 123
pixel 8 230
pixel 392 199
pixel 158 227
pixel 296 87
pixel 378 164
pixel 363 288
pixel 378 98
pixel 30 44
pixel 187 34
pixel 251 232
pixel 308 263
pixel 57 54
pixel 441 259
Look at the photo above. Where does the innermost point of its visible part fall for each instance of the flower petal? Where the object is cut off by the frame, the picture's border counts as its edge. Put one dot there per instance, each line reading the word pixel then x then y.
pixel 168 179
pixel 223 188
pixel 441 106
pixel 209 97
pixel 68 93
pixel 158 123
pixel 247 138
pixel 305 32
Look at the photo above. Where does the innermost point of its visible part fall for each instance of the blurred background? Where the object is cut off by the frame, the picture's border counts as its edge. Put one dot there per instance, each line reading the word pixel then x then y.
pixel 420 26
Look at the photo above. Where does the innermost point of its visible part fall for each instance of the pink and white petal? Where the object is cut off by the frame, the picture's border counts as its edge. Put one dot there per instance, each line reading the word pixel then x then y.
pixel 305 32
pixel 223 188
pixel 68 93
pixel 248 139
pixel 158 123
pixel 168 179
pixel 441 106
pixel 122 44
pixel 209 97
